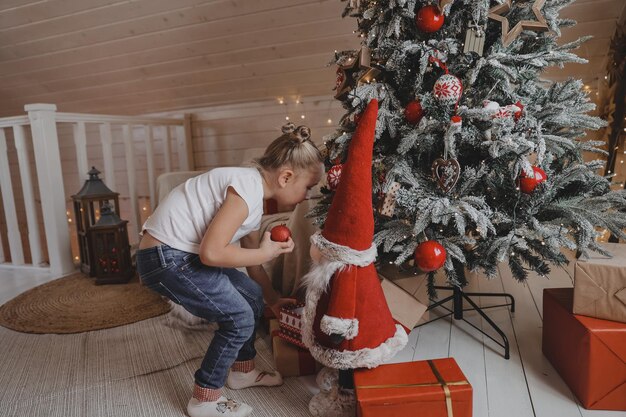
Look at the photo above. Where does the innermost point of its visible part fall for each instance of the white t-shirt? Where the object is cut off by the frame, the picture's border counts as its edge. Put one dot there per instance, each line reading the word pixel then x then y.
pixel 181 220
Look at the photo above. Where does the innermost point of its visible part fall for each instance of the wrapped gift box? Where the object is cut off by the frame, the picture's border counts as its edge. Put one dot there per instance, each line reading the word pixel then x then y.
pixel 416 285
pixel 405 309
pixel 291 360
pixel 290 322
pixel 588 353
pixel 600 284
pixel 432 388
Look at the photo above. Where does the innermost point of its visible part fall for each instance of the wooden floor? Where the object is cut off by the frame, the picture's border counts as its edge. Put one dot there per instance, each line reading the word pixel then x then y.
pixel 526 385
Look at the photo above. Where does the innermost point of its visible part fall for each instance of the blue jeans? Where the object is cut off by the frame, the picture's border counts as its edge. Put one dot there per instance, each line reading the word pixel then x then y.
pixel 223 295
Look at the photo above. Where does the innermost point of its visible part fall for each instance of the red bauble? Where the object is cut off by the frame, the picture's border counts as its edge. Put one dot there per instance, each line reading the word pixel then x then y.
pixel 280 233
pixel 428 19
pixel 413 112
pixel 527 185
pixel 333 176
pixel 430 256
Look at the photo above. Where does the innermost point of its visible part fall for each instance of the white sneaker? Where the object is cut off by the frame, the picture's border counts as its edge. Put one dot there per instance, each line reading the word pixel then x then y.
pixel 223 407
pixel 254 378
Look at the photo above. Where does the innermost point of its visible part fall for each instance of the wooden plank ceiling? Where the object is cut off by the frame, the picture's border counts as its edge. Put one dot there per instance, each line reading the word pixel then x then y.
pixel 143 56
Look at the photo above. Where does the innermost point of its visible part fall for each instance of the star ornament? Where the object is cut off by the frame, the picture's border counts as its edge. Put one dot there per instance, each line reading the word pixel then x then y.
pixel 508 36
pixel 346 72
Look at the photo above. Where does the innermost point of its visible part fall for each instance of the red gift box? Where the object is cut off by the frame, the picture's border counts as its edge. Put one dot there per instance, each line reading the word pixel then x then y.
pixel 432 388
pixel 588 353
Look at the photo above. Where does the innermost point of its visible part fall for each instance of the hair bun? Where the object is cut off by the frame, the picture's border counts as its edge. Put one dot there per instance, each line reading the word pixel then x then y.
pixel 303 132
pixel 288 128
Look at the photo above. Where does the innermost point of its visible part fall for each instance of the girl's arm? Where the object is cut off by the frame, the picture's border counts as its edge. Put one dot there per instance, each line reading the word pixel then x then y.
pixel 257 273
pixel 216 249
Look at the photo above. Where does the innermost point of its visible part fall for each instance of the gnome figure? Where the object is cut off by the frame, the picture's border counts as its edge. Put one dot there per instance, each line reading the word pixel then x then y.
pixel 346 322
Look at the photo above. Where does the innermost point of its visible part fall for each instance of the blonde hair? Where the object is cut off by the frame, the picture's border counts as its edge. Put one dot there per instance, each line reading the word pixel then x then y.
pixel 294 149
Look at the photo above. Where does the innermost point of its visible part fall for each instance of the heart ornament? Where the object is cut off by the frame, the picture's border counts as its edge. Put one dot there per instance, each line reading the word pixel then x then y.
pixel 446 172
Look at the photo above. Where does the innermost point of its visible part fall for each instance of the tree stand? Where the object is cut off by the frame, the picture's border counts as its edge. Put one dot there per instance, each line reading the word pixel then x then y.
pixel 457 297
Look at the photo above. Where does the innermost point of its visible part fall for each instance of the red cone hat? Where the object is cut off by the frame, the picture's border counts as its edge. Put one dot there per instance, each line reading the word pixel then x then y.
pixel 350 220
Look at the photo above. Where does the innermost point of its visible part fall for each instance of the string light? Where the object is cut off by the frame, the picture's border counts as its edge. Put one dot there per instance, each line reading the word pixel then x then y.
pixel 330 121
pixel 302 116
pixel 286 117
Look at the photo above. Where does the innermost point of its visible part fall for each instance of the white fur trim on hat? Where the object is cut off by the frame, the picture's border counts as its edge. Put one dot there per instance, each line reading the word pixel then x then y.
pixel 317 281
pixel 345 254
pixel 348 328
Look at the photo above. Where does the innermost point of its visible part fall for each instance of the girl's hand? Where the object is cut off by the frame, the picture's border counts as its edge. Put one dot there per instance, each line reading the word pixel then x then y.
pixel 273 249
pixel 279 303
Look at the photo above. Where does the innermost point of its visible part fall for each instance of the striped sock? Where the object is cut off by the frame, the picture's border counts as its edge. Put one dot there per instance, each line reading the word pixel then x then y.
pixel 206 394
pixel 243 366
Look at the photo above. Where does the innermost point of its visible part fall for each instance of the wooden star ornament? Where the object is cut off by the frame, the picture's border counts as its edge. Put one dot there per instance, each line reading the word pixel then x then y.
pixel 508 36
pixel 346 80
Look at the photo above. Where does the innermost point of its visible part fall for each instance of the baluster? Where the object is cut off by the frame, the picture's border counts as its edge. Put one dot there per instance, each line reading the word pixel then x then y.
pixel 129 146
pixel 34 238
pixel 150 160
pixel 8 199
pixel 51 188
pixel 167 149
pixel 107 154
pixel 80 143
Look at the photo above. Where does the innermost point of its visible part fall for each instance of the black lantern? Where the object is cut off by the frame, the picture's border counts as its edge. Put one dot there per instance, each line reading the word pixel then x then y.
pixel 88 203
pixel 111 251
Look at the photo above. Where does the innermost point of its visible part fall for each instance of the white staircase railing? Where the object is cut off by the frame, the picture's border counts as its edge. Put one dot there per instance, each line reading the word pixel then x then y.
pixel 50 206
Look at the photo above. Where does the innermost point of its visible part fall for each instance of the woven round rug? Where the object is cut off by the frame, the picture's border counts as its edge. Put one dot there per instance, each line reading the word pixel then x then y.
pixel 75 304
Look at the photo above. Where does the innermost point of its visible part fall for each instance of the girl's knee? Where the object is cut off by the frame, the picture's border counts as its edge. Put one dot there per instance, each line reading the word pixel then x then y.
pixel 241 324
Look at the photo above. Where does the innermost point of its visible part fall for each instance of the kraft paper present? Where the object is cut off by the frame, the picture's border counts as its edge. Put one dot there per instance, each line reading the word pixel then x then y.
pixel 405 309
pixel 588 353
pixel 432 388
pixel 415 285
pixel 600 285
pixel 291 360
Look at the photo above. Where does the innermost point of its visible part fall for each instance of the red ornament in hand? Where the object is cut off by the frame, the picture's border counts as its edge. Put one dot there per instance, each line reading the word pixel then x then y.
pixel 413 112
pixel 430 256
pixel 528 185
pixel 429 19
pixel 334 176
pixel 280 233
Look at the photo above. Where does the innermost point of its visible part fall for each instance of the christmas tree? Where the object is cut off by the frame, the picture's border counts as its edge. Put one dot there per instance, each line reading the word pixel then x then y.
pixel 477 160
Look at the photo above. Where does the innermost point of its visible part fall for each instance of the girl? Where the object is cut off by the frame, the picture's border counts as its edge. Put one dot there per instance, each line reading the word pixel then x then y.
pixel 189 253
